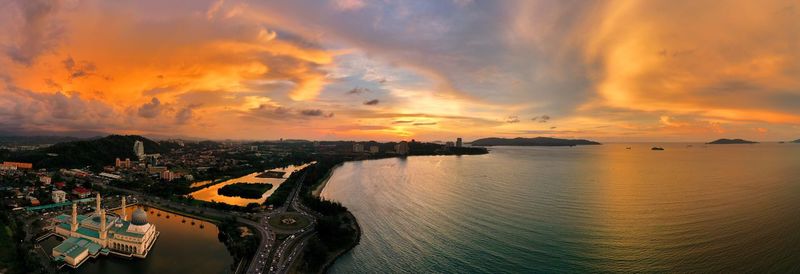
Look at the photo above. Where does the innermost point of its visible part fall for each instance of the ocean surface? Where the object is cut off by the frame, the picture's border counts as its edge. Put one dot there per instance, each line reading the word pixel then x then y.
pixel 689 208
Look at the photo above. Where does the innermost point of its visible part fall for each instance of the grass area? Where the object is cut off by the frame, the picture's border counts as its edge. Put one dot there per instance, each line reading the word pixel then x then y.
pixel 299 222
pixel 244 190
pixel 7 249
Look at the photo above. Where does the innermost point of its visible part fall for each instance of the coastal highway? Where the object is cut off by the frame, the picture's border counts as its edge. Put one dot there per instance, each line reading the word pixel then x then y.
pixel 289 250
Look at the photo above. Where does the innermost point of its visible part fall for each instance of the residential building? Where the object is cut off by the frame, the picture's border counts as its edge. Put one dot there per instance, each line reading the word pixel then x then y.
pixel 123 164
pixel 401 148
pixel 358 147
pixel 81 192
pixel 18 165
pixel 58 196
pixel 168 175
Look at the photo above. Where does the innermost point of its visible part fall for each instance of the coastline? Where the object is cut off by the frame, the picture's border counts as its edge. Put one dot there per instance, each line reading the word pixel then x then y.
pixel 317 190
pixel 321 186
pixel 341 252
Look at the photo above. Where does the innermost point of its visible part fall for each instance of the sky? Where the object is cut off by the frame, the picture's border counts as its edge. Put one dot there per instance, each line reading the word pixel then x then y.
pixel 390 70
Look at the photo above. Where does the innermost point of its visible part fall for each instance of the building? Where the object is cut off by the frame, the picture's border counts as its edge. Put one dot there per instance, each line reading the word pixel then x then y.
pixel 138 149
pixel 374 149
pixel 123 164
pixel 168 175
pixel 401 148
pixel 74 172
pixel 109 176
pixel 45 180
pixel 102 233
pixel 449 144
pixel 59 196
pixel 156 169
pixel 358 147
pixel 459 143
pixel 81 192
pixel 17 165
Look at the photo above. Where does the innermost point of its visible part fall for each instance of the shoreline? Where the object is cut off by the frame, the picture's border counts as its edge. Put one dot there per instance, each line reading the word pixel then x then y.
pixel 324 182
pixel 321 186
pixel 328 264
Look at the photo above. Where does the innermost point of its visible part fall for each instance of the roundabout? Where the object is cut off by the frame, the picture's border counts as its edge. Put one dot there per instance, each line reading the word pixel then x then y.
pixel 288 222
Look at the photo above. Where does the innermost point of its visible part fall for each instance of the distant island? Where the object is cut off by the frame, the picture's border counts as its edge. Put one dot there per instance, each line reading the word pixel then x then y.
pixel 537 141
pixel 730 142
pixel 796 141
pixel 244 190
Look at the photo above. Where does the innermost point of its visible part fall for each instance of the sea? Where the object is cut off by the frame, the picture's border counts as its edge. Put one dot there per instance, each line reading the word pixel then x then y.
pixel 605 208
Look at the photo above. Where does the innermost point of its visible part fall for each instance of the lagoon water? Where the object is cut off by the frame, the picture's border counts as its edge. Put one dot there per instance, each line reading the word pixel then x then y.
pixel 210 194
pixel 689 208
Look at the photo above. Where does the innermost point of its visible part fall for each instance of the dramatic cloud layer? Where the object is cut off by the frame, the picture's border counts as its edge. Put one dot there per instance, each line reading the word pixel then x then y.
pixel 352 69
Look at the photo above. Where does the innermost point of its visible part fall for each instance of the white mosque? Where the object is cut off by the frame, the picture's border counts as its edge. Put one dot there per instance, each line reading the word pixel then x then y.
pixel 101 233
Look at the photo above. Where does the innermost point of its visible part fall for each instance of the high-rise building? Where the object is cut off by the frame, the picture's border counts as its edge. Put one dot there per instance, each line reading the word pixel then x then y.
pixel 168 176
pixel 358 147
pixel 458 142
pixel 119 163
pixel 401 148
pixel 138 149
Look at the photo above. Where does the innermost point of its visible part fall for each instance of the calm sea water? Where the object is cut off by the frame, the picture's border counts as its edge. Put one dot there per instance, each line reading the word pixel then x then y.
pixel 704 208
pixel 182 247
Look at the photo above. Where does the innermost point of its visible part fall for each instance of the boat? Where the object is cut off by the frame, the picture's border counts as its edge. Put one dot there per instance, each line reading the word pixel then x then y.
pixel 657 148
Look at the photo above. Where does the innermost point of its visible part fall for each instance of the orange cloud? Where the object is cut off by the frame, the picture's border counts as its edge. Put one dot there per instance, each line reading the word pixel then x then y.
pixel 729 63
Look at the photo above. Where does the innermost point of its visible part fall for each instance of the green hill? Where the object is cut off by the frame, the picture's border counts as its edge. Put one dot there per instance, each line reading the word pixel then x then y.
pixel 95 153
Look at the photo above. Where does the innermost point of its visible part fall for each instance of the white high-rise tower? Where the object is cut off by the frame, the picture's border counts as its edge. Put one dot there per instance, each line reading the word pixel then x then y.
pixel 138 148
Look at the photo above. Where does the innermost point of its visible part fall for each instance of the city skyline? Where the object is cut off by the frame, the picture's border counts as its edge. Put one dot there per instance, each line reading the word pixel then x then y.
pixel 360 70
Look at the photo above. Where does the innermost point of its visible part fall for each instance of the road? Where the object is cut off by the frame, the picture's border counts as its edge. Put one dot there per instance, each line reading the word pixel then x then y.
pixel 289 250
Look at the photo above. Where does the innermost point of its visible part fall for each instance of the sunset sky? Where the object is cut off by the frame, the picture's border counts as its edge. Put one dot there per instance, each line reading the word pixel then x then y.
pixel 390 70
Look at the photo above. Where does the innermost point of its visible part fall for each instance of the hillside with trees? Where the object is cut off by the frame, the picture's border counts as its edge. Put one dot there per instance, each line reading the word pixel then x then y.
pixel 94 153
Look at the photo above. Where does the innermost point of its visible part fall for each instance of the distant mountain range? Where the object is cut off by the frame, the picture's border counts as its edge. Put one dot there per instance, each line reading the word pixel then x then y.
pixel 537 141
pixel 94 152
pixel 730 142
